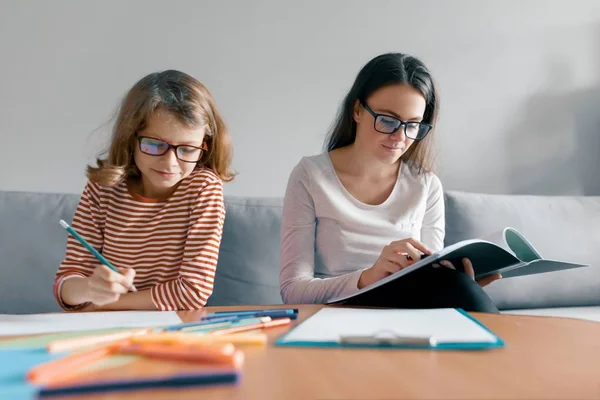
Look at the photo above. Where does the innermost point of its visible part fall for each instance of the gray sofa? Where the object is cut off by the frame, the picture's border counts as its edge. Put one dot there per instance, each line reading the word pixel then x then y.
pixel 32 245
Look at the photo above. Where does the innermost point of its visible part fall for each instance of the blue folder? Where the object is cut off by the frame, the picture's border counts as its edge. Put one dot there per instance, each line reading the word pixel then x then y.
pixel 15 363
pixel 187 379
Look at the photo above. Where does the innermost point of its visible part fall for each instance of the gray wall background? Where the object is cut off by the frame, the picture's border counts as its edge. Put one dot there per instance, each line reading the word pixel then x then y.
pixel 519 82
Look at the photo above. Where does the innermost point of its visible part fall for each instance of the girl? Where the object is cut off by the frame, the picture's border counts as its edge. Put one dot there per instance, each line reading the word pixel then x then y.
pixel 371 204
pixel 154 206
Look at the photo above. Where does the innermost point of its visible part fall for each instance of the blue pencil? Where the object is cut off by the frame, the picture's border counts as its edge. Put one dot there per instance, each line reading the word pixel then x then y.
pixel 202 322
pixel 272 314
pixel 246 312
pixel 92 250
pixel 211 319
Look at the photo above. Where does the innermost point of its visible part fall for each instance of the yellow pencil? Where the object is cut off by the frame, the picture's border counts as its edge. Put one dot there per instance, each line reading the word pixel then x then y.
pixel 91 340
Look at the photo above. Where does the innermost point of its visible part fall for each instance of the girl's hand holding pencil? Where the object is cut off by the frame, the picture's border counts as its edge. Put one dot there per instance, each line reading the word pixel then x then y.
pixel 107 283
pixel 106 286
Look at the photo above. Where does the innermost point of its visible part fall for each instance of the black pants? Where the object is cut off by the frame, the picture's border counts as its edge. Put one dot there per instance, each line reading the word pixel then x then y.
pixel 429 288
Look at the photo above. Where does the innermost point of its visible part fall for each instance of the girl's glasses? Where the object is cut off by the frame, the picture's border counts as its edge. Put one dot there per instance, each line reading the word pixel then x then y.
pixel 183 152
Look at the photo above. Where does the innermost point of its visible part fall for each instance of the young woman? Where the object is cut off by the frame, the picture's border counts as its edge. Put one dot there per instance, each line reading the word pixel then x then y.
pixel 371 205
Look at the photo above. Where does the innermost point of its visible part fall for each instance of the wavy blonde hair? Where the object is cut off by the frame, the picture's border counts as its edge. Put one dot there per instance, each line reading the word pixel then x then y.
pixel 184 97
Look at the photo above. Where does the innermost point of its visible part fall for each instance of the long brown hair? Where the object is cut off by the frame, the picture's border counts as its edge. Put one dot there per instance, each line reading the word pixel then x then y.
pixel 383 70
pixel 184 97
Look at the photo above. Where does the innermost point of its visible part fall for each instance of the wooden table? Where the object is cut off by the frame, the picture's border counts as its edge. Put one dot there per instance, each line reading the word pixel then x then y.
pixel 544 358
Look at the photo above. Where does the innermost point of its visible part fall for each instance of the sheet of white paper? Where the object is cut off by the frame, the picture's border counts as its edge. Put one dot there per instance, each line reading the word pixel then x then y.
pixel 588 313
pixel 71 322
pixel 446 325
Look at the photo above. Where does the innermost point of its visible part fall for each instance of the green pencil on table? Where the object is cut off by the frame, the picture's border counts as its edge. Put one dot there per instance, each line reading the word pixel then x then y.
pixel 92 250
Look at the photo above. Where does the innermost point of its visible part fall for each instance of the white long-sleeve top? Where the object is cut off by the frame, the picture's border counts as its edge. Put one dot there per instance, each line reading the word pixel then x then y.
pixel 328 237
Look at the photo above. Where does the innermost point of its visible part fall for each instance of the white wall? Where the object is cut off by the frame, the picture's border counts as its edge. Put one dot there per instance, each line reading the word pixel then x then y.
pixel 519 80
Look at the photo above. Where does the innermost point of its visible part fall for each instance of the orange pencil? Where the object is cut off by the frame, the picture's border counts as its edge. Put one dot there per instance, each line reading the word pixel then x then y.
pixel 86 341
pixel 67 366
pixel 250 327
pixel 223 355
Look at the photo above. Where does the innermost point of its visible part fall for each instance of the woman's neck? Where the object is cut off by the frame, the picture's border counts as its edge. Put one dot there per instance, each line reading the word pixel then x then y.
pixel 361 164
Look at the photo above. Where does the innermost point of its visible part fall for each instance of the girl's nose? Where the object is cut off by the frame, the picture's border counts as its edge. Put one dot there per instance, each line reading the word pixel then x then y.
pixel 171 156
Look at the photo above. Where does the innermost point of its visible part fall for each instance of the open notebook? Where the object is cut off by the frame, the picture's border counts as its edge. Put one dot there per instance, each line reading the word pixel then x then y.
pixel 362 327
pixel 507 252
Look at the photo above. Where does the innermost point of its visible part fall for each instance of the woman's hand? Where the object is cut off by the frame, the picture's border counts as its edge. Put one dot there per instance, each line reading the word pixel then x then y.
pixel 395 256
pixel 468 267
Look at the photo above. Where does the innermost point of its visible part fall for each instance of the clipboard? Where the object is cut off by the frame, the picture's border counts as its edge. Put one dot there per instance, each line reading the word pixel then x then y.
pixel 434 329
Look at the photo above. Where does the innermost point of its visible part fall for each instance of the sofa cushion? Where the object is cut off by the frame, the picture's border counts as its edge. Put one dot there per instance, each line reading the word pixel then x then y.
pixel 560 227
pixel 32 246
pixel 248 267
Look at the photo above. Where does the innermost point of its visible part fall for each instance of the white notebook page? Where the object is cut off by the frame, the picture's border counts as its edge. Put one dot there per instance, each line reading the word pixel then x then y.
pixel 445 325
pixel 71 322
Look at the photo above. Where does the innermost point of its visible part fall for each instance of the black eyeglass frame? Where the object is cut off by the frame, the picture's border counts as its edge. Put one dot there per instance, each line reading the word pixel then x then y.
pixel 170 146
pixel 376 116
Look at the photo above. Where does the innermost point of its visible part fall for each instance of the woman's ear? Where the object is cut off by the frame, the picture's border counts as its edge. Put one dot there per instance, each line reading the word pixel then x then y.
pixel 356 111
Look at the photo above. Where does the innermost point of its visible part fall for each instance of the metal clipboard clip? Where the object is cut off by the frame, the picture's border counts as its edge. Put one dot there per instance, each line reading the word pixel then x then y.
pixel 388 338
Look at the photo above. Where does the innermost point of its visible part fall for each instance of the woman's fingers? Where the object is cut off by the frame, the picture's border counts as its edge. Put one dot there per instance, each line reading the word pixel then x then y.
pixel 399 259
pixel 489 279
pixel 392 267
pixel 412 253
pixel 419 246
pixel 404 253
pixel 447 264
pixel 402 246
pixel 468 267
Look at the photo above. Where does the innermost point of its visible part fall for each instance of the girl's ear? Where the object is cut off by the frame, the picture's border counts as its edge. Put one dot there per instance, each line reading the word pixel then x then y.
pixel 356 111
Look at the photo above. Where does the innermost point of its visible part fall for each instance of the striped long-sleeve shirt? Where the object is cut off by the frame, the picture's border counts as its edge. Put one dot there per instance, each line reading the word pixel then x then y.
pixel 173 244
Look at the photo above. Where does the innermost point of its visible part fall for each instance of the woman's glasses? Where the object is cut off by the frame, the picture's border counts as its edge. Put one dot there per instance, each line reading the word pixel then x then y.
pixel 388 125
pixel 183 152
